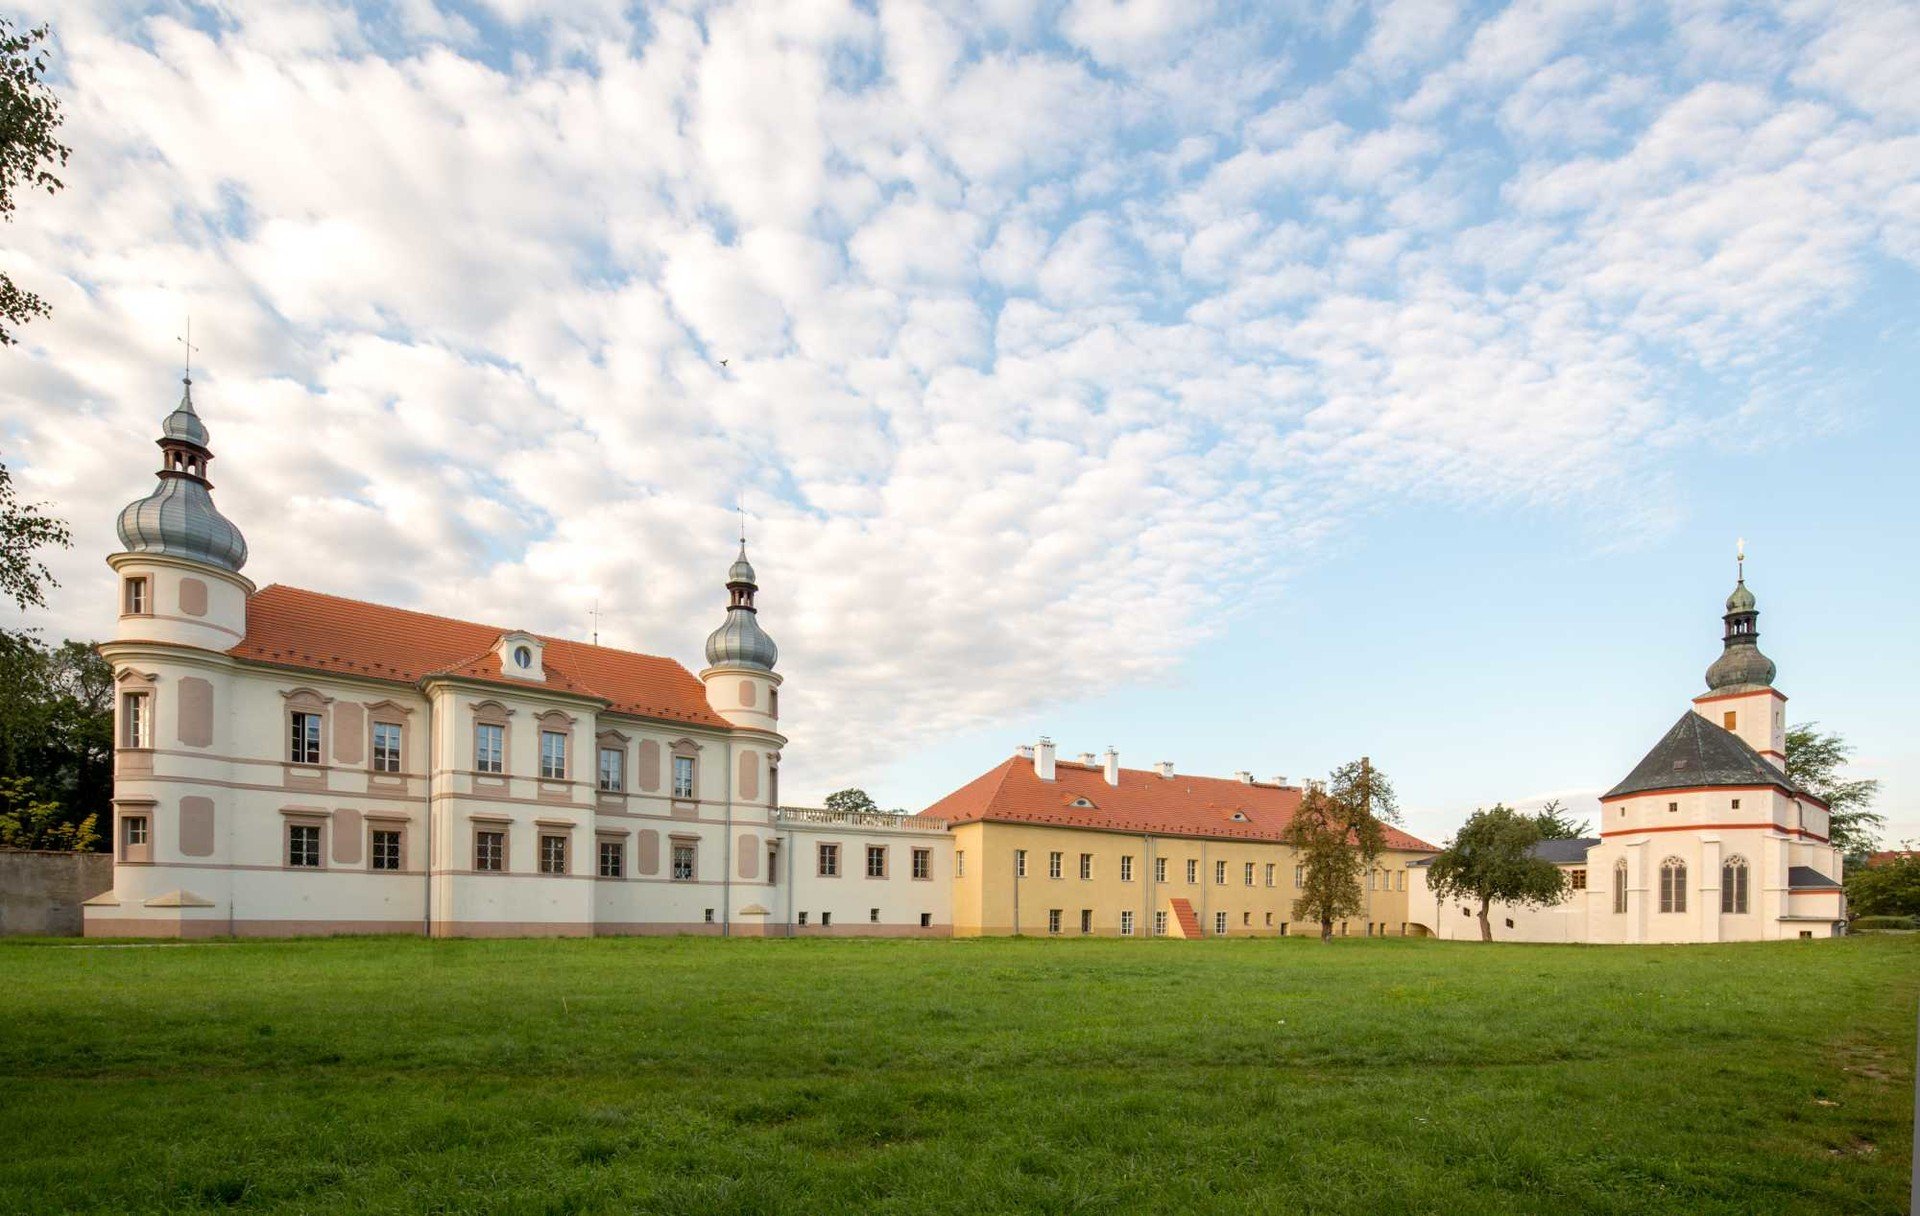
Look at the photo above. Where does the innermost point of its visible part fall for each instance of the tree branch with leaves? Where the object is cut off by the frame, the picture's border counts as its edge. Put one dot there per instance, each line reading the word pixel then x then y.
pixel 1814 761
pixel 1336 834
pixel 1491 859
pixel 29 116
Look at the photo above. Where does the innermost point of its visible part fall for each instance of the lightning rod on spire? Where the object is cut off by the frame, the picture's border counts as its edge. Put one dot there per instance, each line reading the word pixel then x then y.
pixel 186 341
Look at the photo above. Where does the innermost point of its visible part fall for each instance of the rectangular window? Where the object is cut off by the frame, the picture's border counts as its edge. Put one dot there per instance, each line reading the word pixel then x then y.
pixel 1219 873
pixel 1159 869
pixel 490 852
pixel 136 830
pixel 876 861
pixel 1673 888
pixel 1219 924
pixel 683 863
pixel 1053 921
pixel 1249 873
pixel 826 920
pixel 926 920
pixel 1577 880
pixel 829 861
pixel 1373 880
pixel 1620 889
pixel 304 744
pixel 385 849
pixel 1053 865
pixel 613 858
pixel 553 755
pixel 613 770
pixel 1126 868
pixel 137 603
pixel 1283 927
pixel 707 916
pixel 960 863
pixel 1299 877
pixel 873 916
pixel 1193 870
pixel 135 729
pixel 386 747
pixel 1019 863
pixel 1126 924
pixel 1672 807
pixel 1246 920
pixel 1271 868
pixel 1086 920
pixel 802 919
pixel 553 854
pixel 1728 719
pixel 303 845
pixel 489 748
pixel 1736 804
pixel 1733 889
pixel 1403 880
pixel 1086 865
pixel 1159 924
pixel 1269 920
pixel 683 778
pixel 923 863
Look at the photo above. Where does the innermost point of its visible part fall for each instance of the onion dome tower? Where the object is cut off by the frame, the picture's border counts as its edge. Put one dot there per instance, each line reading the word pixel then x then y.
pixel 740 680
pixel 181 559
pixel 1740 696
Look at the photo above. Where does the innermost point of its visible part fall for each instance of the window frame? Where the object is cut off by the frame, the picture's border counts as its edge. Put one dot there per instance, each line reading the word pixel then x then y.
pixel 618 853
pixel 1126 922
pixel 498 731
pixel 136 595
pixel 1086 867
pixel 551 857
pixel 295 837
pixel 827 859
pixel 553 763
pixel 611 779
pixel 496 833
pixel 1620 887
pixel 1220 873
pixel 308 749
pixel 1053 921
pixel 1673 887
pixel 1248 870
pixel 375 834
pixel 1056 865
pixel 1160 923
pixel 136 720
pixel 1735 884
pixel 922 865
pixel 690 850
pixel 395 763
pixel 1126 867
pixel 1219 924
pixel 876 861
pixel 1159 869
pixel 689 766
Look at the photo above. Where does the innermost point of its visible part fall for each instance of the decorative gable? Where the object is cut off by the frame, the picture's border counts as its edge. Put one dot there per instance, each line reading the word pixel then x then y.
pixel 521 657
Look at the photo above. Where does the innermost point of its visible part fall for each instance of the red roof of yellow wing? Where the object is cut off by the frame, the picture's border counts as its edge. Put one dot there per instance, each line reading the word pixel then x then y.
pixel 1144 801
pixel 309 631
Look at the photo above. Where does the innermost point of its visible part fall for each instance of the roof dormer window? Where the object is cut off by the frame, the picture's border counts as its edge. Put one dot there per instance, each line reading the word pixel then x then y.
pixel 1083 803
pixel 520 657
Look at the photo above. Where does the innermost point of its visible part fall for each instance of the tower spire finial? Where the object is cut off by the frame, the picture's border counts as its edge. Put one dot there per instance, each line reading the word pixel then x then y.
pixel 1740 559
pixel 186 341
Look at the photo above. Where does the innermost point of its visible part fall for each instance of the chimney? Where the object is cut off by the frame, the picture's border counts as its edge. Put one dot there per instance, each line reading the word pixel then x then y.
pixel 1024 751
pixel 1087 759
pixel 1280 781
pixel 1243 777
pixel 1113 766
pixel 1165 767
pixel 1043 759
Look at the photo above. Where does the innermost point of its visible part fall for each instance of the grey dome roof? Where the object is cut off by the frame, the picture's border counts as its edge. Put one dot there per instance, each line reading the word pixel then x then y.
pixel 178 519
pixel 183 424
pixel 740 642
pixel 1742 599
pixel 1740 665
pixel 742 570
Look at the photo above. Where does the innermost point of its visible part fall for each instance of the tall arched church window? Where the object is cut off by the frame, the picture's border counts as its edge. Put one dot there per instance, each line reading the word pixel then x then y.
pixel 1620 886
pixel 1673 885
pixel 1733 885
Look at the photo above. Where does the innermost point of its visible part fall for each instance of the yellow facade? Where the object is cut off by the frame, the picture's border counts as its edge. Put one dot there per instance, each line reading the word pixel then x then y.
pixel 1142 875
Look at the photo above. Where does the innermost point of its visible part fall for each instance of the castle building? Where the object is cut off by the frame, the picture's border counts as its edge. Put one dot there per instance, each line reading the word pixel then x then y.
pixel 1045 846
pixel 290 762
pixel 1706 840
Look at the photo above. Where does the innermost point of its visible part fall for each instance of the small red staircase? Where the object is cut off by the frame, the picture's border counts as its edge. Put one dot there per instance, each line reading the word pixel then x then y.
pixel 1185 923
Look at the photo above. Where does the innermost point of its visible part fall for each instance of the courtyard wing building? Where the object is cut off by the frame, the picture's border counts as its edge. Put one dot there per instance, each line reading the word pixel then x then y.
pixel 288 761
pixel 1045 846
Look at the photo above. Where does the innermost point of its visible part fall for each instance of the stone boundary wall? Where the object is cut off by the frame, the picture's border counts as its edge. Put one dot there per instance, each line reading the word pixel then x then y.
pixel 41 892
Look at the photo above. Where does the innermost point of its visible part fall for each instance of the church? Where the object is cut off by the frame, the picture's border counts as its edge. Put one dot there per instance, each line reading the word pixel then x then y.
pixel 1706 840
pixel 292 762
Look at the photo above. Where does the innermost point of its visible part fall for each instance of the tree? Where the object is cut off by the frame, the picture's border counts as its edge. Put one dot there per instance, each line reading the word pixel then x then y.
pixel 854 802
pixel 1490 858
pixel 24 528
pixel 29 114
pixel 1556 823
pixel 30 822
pixel 1338 831
pixel 56 728
pixel 1814 761
pixel 1891 888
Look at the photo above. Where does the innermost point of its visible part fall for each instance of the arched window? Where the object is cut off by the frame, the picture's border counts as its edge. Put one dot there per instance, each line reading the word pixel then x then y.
pixel 1733 885
pixel 1673 885
pixel 1620 886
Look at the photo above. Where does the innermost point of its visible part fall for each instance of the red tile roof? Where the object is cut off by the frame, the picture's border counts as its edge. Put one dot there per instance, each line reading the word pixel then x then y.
pixel 309 631
pixel 1144 801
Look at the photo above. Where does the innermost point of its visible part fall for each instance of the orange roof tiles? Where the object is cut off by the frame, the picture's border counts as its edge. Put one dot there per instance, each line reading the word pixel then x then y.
pixel 1144 801
pixel 310 631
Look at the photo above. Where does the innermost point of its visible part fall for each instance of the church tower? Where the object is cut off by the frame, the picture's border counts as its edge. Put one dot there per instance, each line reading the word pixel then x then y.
pixel 740 680
pixel 1740 696
pixel 179 568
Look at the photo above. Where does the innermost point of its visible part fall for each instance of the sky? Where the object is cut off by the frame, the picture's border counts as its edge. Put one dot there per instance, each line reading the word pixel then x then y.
pixel 1252 387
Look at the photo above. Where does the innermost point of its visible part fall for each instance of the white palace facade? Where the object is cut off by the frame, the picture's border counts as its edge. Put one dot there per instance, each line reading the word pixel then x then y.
pixel 289 762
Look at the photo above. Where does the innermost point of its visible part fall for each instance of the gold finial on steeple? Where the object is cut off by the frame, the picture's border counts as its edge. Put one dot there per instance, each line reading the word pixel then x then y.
pixel 1740 559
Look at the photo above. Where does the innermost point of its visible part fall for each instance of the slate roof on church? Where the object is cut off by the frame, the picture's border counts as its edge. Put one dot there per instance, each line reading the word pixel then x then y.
pixel 1806 878
pixel 1698 753
pixel 1564 852
pixel 311 631
pixel 1144 801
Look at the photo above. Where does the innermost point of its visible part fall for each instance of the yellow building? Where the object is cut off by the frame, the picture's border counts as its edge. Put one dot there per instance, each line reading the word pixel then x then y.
pixel 1046 846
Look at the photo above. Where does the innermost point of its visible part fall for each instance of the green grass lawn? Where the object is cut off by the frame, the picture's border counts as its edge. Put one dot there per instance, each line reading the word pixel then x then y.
pixel 701 1076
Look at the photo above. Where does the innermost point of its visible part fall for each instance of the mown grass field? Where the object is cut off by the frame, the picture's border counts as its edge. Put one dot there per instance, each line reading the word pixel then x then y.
pixel 703 1076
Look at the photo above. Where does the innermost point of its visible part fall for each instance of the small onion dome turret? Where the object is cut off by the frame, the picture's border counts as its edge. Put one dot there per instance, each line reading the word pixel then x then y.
pixel 179 519
pixel 740 642
pixel 1741 665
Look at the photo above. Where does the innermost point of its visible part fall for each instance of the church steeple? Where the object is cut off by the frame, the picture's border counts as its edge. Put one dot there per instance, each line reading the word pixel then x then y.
pixel 740 641
pixel 1741 665
pixel 179 519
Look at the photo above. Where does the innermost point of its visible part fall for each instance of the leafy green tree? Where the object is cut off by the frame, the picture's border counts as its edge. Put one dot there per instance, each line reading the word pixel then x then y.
pixel 1891 888
pixel 1814 761
pixel 24 529
pixel 1491 858
pixel 56 725
pixel 852 801
pixel 31 822
pixel 29 115
pixel 1336 834
pixel 1557 823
